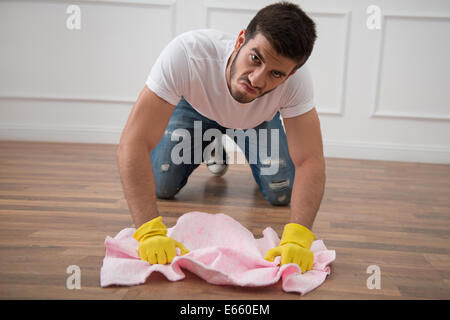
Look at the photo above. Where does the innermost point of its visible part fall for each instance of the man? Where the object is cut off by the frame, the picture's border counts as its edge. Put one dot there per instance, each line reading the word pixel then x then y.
pixel 223 82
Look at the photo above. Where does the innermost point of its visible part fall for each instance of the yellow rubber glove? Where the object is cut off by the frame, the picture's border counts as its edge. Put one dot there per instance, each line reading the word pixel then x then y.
pixel 294 247
pixel 154 246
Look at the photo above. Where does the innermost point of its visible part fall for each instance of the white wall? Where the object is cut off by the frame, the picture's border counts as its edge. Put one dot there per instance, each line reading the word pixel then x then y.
pixel 381 94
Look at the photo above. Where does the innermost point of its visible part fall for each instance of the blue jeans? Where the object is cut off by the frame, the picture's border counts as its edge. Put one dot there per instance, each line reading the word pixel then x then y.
pixel 170 178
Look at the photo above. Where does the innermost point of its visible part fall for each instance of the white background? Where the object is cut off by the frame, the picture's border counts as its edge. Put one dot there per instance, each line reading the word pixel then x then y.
pixel 381 94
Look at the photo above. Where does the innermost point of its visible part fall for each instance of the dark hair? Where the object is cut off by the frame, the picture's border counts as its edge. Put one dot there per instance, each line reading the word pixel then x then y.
pixel 287 28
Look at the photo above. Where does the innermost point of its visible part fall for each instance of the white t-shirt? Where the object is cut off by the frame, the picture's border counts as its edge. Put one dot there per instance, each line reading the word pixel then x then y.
pixel 193 65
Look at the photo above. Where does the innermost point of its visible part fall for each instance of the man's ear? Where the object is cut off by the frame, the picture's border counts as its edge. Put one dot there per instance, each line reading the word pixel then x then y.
pixel 291 74
pixel 240 40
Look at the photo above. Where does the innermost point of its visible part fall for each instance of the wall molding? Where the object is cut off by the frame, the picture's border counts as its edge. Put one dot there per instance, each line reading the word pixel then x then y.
pixel 218 6
pixel 215 6
pixel 56 98
pixel 164 3
pixel 171 4
pixel 376 111
pixel 347 15
pixel 235 5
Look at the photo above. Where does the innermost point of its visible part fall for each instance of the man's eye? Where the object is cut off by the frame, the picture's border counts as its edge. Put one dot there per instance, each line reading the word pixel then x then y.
pixel 276 74
pixel 254 58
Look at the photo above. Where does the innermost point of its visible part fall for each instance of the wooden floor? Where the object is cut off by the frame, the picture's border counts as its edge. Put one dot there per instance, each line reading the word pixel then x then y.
pixel 59 201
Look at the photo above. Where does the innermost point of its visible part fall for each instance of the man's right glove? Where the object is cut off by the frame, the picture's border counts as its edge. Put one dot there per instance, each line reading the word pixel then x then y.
pixel 154 246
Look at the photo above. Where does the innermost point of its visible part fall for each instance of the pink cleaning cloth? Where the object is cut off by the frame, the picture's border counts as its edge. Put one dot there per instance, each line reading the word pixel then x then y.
pixel 222 252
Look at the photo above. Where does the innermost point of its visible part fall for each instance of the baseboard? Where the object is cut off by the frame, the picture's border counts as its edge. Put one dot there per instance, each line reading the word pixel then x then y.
pixel 332 149
pixel 80 134
pixel 387 152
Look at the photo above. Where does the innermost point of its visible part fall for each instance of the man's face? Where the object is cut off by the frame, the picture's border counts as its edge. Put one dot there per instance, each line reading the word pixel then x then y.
pixel 256 68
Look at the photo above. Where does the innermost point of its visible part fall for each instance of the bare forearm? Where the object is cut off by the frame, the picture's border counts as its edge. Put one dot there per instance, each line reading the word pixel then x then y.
pixel 307 193
pixel 138 183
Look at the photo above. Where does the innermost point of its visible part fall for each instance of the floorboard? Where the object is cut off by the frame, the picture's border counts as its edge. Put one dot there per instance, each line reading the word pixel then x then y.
pixel 58 202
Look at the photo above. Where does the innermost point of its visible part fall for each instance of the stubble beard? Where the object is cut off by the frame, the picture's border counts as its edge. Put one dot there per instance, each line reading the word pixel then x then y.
pixel 237 95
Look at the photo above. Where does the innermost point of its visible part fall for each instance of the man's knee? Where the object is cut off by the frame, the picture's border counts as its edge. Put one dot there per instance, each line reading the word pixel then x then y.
pixel 279 192
pixel 166 187
pixel 165 193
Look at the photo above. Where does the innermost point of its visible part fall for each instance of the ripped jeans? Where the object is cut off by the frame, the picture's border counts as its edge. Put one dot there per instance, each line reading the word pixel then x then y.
pixel 170 177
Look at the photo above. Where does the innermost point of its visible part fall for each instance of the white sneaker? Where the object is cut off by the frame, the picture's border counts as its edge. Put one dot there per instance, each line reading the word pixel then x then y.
pixel 217 166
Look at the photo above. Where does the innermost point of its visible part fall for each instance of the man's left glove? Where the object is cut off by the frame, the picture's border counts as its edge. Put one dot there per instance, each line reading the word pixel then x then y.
pixel 294 247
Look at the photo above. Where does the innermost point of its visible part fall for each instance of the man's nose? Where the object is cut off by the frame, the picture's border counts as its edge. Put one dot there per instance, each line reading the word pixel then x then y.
pixel 256 78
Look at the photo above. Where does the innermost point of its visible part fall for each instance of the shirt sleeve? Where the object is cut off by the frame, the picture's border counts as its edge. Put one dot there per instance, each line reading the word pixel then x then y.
pixel 299 94
pixel 169 76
